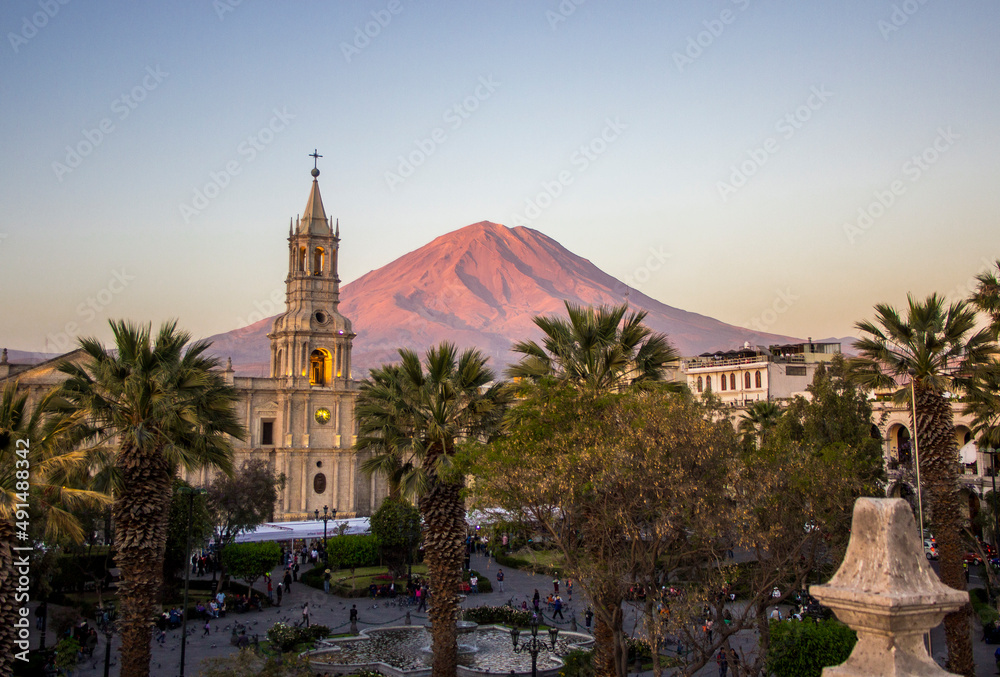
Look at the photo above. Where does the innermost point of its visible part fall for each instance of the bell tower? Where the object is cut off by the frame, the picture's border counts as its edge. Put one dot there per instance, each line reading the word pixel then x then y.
pixel 311 340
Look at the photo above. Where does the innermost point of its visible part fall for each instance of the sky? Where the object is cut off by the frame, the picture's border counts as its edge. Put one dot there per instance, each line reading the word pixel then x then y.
pixel 782 166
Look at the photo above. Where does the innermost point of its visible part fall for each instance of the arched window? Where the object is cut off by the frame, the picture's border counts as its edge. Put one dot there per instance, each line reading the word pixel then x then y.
pixel 746 380
pixel 701 384
pixel 708 383
pixel 318 261
pixel 302 259
pixel 732 381
pixel 756 379
pixel 722 382
pixel 317 368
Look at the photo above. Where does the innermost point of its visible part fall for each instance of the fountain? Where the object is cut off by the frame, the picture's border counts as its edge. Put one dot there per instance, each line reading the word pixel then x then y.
pixel 404 651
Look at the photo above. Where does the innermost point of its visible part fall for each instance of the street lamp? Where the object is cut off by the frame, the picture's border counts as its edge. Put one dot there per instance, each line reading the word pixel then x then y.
pixel 534 645
pixel 191 492
pixel 107 622
pixel 326 518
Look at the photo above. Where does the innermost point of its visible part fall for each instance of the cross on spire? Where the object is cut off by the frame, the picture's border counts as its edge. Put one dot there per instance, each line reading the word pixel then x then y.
pixel 315 156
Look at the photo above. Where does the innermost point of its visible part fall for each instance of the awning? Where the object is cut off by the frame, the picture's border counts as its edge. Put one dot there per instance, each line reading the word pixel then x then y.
pixel 286 531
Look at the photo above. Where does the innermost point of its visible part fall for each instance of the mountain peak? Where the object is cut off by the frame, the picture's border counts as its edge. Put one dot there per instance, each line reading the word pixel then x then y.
pixel 481 286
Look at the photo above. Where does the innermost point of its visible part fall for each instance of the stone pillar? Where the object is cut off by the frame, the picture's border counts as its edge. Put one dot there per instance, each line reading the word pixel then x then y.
pixel 887 592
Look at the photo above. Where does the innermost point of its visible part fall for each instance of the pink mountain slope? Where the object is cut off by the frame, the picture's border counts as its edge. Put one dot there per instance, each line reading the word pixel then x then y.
pixel 480 286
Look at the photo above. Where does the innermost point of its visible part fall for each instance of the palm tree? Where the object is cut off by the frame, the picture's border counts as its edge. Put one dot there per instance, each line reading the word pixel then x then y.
pixel 35 451
pixel 760 419
pixel 935 349
pixel 405 410
pixel 386 445
pixel 151 405
pixel 986 297
pixel 600 349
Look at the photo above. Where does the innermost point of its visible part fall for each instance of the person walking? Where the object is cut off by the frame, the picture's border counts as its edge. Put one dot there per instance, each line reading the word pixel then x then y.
pixel 208 628
pixel 569 588
pixel 305 614
pixel 500 579
pixel 557 605
pixel 270 589
pixel 288 580
pixel 555 585
pixel 354 613
pixel 723 662
pixel 588 617
pixel 326 581
pixel 474 584
pixel 535 599
pixel 279 594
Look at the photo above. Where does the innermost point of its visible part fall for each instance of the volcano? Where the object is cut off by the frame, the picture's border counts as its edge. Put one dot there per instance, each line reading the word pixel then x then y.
pixel 480 286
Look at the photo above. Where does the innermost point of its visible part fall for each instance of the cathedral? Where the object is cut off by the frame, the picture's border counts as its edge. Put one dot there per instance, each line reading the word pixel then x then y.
pixel 301 418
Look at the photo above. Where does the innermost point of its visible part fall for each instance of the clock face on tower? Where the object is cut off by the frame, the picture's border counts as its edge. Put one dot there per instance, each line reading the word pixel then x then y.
pixel 322 415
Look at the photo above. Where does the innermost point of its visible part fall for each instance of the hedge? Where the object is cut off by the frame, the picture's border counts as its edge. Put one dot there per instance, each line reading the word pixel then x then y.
pixel 804 648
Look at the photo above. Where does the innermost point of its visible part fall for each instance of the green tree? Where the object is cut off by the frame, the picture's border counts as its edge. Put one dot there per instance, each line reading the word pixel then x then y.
pixel 351 551
pixel 936 349
pixel 631 487
pixel 248 663
pixel 760 419
pixel 152 404
pixel 177 532
pixel 427 413
pixel 242 501
pixel 396 526
pixel 598 349
pixel 37 461
pixel 250 561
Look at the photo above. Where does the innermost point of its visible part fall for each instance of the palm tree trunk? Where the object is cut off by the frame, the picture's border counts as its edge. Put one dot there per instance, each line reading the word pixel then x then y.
pixel 444 535
pixel 141 514
pixel 939 469
pixel 8 585
pixel 610 654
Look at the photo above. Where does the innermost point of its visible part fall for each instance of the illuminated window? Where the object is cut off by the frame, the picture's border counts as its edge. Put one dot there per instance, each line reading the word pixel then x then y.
pixel 302 259
pixel 319 368
pixel 318 261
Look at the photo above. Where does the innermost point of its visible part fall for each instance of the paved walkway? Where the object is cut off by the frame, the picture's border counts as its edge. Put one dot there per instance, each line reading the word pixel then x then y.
pixel 333 612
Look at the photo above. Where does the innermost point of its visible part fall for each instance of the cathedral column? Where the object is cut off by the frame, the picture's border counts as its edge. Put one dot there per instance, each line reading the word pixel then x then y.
pixel 302 486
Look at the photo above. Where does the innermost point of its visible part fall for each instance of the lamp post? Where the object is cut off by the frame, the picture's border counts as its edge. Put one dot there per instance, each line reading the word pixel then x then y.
pixel 191 492
pixel 534 645
pixel 108 619
pixel 327 516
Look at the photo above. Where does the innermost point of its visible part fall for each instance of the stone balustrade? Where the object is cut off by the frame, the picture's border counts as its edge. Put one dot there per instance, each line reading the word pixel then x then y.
pixel 887 592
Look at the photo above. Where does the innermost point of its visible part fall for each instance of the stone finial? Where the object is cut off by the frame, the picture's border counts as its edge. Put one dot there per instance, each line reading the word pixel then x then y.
pixel 229 364
pixel 886 591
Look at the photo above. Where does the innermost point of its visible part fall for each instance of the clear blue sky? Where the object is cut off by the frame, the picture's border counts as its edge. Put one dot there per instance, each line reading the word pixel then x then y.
pixel 739 139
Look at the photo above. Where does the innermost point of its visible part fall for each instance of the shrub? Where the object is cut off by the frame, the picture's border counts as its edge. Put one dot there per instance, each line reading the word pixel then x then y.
pixel 285 637
pixel 803 649
pixel 504 615
pixel 484 584
pixel 578 663
pixel 638 648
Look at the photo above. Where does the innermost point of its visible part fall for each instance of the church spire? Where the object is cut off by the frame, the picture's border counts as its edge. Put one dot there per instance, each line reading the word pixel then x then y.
pixel 314 217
